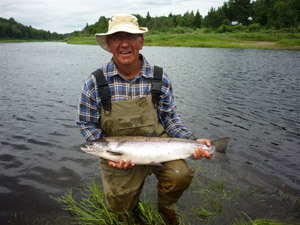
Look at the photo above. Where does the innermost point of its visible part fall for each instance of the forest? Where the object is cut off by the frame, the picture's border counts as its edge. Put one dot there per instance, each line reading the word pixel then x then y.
pixel 281 15
pixel 11 29
pixel 234 15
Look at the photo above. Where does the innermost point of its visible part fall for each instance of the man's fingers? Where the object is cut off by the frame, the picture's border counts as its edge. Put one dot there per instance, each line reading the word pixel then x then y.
pixel 205 141
pixel 128 164
pixel 121 164
pixel 200 153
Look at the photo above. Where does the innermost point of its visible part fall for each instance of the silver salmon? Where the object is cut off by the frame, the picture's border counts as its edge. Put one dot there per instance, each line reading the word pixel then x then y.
pixel 149 150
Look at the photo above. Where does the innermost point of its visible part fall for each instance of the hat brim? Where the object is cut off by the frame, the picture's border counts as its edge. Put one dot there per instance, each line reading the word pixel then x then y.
pixel 101 38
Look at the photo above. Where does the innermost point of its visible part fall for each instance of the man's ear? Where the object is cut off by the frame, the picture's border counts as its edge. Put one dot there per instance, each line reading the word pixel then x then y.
pixel 142 42
pixel 108 43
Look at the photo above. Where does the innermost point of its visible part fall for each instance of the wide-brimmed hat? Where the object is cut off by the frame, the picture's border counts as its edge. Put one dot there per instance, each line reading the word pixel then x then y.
pixel 120 23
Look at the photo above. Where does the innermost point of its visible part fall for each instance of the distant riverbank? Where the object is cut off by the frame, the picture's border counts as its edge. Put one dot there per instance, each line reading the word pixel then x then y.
pixel 290 41
pixel 243 40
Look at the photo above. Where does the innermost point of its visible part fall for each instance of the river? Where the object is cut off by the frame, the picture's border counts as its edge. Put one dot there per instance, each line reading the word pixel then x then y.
pixel 251 96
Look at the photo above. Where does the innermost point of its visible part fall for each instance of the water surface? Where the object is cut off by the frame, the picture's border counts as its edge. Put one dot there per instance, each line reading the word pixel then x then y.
pixel 251 96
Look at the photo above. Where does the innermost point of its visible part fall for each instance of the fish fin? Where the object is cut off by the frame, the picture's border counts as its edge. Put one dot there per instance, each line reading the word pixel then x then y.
pixel 191 157
pixel 114 153
pixel 156 164
pixel 221 144
pixel 221 157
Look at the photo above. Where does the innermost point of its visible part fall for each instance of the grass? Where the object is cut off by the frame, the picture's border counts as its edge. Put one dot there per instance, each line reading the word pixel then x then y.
pixel 245 40
pixel 200 38
pixel 20 40
pixel 246 220
pixel 226 40
pixel 85 40
pixel 91 209
pixel 88 207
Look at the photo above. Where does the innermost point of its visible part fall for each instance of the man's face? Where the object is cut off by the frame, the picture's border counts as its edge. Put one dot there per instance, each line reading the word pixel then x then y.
pixel 125 47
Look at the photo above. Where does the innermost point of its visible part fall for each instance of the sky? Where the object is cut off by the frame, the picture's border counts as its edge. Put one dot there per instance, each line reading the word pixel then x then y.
pixel 65 16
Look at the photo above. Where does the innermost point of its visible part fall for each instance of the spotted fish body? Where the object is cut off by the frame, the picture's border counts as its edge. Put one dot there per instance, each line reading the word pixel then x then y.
pixel 149 150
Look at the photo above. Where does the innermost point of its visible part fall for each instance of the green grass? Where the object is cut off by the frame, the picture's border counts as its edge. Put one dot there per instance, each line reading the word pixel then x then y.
pixel 21 40
pixel 91 209
pixel 201 38
pixel 253 40
pixel 88 207
pixel 246 220
pixel 225 40
pixel 85 40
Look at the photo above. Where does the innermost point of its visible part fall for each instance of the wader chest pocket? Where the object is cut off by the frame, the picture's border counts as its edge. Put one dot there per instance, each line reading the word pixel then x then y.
pixel 136 117
pixel 135 125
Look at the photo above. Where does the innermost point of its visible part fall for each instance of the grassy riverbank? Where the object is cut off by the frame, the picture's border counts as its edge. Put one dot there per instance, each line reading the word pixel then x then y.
pixel 243 40
pixel 21 40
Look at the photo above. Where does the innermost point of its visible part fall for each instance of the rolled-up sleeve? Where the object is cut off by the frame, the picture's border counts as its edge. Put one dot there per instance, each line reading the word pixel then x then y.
pixel 88 111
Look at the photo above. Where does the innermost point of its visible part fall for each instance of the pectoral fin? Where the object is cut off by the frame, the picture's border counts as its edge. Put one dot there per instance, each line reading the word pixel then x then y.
pixel 114 153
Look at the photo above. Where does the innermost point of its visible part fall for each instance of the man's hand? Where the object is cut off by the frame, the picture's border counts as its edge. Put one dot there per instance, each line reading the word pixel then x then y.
pixel 121 164
pixel 200 152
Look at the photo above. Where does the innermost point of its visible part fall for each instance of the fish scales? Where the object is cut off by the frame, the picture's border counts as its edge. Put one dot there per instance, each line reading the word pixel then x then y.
pixel 145 150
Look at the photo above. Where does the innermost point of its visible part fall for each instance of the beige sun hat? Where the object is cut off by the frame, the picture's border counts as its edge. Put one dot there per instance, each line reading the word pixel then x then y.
pixel 120 23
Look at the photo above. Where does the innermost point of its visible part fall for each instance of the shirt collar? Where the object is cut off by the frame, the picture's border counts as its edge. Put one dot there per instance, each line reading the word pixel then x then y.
pixel 145 71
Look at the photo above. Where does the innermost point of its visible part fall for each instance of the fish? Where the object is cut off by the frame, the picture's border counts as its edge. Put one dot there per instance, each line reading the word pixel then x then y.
pixel 149 150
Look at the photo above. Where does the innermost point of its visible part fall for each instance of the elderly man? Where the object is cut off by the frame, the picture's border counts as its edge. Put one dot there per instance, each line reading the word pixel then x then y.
pixel 129 96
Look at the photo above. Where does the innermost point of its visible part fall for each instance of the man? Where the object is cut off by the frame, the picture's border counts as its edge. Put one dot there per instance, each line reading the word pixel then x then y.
pixel 129 76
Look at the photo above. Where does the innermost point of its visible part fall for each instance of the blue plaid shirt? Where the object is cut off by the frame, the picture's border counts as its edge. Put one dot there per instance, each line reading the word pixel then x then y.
pixel 123 89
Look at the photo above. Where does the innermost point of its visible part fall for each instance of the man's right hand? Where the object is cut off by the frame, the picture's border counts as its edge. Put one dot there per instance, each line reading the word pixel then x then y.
pixel 121 164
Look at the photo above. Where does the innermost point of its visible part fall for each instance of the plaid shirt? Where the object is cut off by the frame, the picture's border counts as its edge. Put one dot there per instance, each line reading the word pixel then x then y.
pixel 123 89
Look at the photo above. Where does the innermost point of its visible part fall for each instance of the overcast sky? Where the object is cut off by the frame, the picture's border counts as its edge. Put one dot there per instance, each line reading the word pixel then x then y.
pixel 64 16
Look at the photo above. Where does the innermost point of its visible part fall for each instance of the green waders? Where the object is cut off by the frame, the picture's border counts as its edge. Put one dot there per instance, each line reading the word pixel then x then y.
pixel 122 187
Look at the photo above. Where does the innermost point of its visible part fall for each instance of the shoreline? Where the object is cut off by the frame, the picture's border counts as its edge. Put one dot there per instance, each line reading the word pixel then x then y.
pixel 273 41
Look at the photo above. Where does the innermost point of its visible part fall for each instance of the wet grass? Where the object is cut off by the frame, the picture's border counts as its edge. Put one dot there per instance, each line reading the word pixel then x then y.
pixel 218 206
pixel 91 209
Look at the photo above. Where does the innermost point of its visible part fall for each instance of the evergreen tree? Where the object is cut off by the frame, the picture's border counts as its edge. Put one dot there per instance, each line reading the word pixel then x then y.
pixel 198 20
pixel 242 10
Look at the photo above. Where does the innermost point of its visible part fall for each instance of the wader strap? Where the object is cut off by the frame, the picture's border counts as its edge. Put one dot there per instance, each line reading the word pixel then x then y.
pixel 105 93
pixel 156 85
pixel 103 90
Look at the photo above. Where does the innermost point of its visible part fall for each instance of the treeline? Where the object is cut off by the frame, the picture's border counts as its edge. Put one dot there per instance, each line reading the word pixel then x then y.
pixel 233 15
pixel 11 29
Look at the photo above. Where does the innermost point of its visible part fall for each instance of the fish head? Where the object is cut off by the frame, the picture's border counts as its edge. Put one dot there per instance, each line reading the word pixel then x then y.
pixel 95 148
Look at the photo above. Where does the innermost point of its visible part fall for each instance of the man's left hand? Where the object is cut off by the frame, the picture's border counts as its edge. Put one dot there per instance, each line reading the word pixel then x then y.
pixel 200 152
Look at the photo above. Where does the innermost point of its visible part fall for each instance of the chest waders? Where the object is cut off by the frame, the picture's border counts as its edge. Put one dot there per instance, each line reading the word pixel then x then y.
pixel 133 117
pixel 138 117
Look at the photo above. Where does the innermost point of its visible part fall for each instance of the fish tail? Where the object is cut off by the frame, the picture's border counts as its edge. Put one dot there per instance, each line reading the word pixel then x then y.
pixel 221 144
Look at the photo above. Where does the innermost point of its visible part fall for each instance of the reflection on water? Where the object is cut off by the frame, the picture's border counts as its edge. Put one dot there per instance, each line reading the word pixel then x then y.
pixel 252 96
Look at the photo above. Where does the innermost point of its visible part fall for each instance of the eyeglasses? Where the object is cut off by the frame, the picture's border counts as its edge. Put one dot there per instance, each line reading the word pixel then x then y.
pixel 129 38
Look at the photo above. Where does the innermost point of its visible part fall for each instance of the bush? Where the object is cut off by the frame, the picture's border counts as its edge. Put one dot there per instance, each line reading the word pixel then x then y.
pixel 224 29
pixel 207 30
pixel 179 30
pixel 254 27
pixel 238 28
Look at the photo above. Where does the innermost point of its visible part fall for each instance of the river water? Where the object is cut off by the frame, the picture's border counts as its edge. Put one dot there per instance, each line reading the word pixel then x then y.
pixel 251 96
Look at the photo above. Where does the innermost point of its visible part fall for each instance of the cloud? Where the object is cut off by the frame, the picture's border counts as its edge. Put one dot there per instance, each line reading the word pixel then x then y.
pixel 69 15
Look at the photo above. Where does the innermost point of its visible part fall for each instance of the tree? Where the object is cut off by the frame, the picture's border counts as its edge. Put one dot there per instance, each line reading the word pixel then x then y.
pixel 213 18
pixel 242 11
pixel 260 12
pixel 286 13
pixel 198 20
